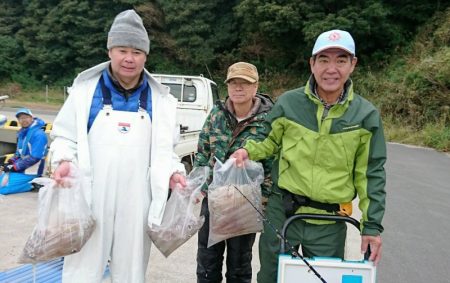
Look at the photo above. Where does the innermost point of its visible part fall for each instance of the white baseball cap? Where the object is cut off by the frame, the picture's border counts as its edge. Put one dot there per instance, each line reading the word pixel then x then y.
pixel 334 39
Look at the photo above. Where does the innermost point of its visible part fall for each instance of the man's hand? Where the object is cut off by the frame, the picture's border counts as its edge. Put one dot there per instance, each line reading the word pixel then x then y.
pixel 62 172
pixel 241 156
pixel 375 247
pixel 177 179
pixel 8 168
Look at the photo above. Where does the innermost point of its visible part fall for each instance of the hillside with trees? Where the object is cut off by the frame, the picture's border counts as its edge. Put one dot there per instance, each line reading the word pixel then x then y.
pixel 402 48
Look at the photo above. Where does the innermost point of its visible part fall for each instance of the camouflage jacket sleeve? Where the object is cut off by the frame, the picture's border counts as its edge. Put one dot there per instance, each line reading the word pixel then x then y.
pixel 203 147
pixel 203 155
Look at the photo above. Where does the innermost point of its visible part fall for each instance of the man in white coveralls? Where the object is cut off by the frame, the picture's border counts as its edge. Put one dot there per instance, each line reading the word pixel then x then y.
pixel 118 128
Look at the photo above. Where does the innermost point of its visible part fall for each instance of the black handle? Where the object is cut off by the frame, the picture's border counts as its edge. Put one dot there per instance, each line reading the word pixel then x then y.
pixel 183 128
pixel 338 218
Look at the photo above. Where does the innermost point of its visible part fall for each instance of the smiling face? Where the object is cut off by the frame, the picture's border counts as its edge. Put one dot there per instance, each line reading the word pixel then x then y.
pixel 331 69
pixel 127 64
pixel 24 120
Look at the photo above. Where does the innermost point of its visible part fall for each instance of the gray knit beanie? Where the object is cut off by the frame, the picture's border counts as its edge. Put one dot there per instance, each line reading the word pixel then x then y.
pixel 127 30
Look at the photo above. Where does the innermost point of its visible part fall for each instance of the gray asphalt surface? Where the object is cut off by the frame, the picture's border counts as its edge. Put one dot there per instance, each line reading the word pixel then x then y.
pixel 416 246
pixel 46 115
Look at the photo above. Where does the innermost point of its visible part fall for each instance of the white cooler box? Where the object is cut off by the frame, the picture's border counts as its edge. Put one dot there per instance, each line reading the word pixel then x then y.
pixel 332 270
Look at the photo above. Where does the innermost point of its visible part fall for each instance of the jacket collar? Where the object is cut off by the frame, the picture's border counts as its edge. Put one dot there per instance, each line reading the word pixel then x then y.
pixel 119 87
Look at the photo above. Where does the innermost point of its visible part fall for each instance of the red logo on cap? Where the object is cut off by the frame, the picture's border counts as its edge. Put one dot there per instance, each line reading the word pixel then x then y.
pixel 335 36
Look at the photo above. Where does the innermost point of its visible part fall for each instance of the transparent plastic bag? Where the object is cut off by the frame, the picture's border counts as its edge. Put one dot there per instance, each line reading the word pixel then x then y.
pixel 4 179
pixel 65 221
pixel 233 196
pixel 181 218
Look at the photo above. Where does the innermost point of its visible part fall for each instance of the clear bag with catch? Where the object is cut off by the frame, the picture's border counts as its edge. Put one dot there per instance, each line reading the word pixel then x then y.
pixel 230 213
pixel 181 218
pixel 65 221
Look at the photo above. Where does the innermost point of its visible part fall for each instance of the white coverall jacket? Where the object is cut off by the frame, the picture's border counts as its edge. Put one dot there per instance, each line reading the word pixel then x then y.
pixel 71 137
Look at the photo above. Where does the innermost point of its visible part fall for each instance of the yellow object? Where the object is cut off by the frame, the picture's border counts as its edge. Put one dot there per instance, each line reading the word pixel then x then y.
pixel 345 209
pixel 12 125
pixel 48 127
pixel 7 157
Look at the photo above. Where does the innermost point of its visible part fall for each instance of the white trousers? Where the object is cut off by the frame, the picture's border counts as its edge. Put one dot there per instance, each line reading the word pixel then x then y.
pixel 119 145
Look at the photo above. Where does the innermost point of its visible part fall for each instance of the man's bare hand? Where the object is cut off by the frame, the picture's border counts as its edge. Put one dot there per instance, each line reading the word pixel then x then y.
pixel 375 247
pixel 61 173
pixel 241 156
pixel 177 179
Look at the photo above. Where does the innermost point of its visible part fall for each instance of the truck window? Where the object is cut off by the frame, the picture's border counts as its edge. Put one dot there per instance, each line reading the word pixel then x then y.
pixel 189 92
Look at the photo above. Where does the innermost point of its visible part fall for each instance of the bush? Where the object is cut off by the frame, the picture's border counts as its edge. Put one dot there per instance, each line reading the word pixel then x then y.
pixel 415 87
pixel 437 136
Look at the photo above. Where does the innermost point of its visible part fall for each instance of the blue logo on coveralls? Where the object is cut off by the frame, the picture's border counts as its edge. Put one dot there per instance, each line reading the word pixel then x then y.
pixel 124 127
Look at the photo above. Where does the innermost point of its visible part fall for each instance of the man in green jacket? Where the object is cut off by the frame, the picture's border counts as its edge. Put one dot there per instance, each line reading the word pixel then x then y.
pixel 329 147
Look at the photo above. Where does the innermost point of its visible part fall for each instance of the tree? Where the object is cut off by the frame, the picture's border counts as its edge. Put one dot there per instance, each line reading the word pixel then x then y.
pixel 10 13
pixel 60 38
pixel 9 50
pixel 55 39
pixel 201 29
pixel 281 33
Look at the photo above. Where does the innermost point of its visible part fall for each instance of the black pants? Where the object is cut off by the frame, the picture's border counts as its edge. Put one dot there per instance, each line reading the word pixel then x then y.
pixel 210 260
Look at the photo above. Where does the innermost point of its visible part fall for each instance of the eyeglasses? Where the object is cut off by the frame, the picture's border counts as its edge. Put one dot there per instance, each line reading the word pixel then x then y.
pixel 241 84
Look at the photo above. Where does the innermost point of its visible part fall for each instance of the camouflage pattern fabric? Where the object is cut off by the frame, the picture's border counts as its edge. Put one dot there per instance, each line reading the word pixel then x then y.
pixel 222 135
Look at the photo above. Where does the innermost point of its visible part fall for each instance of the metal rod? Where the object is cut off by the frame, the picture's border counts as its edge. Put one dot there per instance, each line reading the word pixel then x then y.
pixel 280 236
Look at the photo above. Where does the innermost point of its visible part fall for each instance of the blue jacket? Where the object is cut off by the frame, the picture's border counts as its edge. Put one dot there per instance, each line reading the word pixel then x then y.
pixel 29 157
pixel 130 103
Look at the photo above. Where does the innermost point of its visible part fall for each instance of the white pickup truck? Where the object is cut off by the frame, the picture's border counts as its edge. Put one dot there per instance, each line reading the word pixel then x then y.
pixel 196 96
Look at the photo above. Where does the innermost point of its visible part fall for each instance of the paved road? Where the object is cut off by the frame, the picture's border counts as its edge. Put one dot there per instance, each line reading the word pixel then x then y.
pixel 416 246
pixel 46 115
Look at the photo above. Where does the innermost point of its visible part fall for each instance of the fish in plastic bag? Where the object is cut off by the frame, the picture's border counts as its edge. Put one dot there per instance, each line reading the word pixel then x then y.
pixel 181 218
pixel 65 221
pixel 233 195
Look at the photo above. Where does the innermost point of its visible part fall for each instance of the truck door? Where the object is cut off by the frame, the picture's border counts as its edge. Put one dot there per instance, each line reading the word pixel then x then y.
pixel 193 96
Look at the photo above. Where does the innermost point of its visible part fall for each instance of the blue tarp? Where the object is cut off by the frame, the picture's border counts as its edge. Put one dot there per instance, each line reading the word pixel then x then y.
pixel 45 272
pixel 48 272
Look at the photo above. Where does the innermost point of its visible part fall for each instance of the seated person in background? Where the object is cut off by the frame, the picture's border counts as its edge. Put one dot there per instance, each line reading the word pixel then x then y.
pixel 29 159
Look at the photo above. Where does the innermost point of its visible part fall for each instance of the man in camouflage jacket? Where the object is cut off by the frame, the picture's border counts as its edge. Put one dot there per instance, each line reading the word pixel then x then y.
pixel 226 129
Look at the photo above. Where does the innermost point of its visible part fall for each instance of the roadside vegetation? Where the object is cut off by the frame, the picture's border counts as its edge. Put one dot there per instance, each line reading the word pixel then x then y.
pixel 403 49
pixel 413 91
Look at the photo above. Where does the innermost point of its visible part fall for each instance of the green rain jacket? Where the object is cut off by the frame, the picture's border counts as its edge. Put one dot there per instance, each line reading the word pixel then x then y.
pixel 328 159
